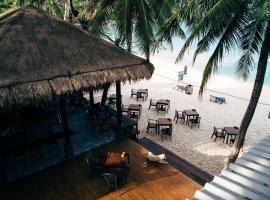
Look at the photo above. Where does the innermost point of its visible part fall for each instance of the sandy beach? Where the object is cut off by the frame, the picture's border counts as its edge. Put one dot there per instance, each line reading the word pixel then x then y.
pixel 195 145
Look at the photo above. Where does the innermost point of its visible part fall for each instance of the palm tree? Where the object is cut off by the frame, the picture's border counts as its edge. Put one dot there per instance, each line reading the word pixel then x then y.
pixel 131 18
pixel 244 24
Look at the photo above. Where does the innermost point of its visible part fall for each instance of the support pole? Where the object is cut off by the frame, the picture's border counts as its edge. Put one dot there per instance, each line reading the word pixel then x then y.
pixel 91 97
pixel 118 103
pixel 67 147
pixel 105 93
pixel 63 112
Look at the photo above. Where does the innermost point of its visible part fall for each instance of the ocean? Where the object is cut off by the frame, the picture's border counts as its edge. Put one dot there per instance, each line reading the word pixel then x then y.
pixel 227 67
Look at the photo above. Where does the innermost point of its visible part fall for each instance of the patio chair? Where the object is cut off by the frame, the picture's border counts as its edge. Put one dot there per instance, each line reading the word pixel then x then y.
pixel 218 133
pixel 163 108
pixel 153 103
pixel 152 124
pixel 97 163
pixel 111 180
pixel 125 109
pixel 166 132
pixel 133 93
pixel 179 115
pixel 195 121
pixel 134 115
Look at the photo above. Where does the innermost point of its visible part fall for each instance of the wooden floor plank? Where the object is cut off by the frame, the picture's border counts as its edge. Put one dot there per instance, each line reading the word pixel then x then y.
pixel 73 179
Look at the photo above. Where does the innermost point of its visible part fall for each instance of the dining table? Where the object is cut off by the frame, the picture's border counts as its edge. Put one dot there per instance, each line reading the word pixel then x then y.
pixel 230 132
pixel 117 160
pixel 163 102
pixel 190 114
pixel 167 122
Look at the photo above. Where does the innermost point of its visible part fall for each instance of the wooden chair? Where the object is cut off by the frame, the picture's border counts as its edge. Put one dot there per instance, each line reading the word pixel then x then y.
pixel 162 108
pixel 218 133
pixel 134 115
pixel 179 115
pixel 111 180
pixel 152 124
pixel 153 103
pixel 166 132
pixel 97 163
pixel 133 93
pixel 125 109
pixel 195 121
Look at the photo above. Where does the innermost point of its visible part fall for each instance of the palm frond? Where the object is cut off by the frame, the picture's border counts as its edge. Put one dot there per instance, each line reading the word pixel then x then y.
pixel 250 44
pixel 229 39
pixel 144 27
pixel 103 16
pixel 216 17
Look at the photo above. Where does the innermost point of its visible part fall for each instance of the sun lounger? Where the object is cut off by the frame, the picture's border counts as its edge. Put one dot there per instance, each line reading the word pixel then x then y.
pixel 216 99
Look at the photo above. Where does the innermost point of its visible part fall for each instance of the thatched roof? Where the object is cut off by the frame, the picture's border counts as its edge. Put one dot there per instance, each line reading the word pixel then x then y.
pixel 42 56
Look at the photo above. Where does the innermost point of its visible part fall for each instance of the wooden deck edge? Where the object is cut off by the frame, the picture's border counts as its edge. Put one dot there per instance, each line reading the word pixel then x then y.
pixel 189 169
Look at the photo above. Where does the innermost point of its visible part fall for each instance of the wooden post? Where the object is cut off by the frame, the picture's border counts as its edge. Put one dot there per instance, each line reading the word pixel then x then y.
pixel 105 93
pixel 67 147
pixel 91 97
pixel 64 113
pixel 118 103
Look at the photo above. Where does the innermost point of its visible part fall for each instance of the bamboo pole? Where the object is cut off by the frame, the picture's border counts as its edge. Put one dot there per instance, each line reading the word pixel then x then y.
pixel 118 103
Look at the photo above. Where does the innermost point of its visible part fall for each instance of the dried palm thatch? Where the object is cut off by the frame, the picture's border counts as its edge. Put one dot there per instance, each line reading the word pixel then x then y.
pixel 42 56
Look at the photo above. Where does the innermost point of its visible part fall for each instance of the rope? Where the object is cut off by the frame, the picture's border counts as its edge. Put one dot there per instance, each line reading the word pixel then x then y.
pixel 230 95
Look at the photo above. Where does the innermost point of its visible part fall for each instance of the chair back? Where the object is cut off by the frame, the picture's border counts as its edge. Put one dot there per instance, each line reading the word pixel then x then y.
pixel 167 131
pixel 153 102
pixel 133 91
pixel 152 121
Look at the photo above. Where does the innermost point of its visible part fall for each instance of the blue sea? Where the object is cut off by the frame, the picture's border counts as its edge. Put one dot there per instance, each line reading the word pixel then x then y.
pixel 227 66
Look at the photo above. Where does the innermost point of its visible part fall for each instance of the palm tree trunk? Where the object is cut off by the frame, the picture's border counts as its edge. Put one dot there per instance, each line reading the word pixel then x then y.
pixel 70 12
pixel 257 88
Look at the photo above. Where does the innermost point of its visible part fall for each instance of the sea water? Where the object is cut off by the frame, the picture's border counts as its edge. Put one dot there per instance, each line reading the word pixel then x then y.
pixel 168 53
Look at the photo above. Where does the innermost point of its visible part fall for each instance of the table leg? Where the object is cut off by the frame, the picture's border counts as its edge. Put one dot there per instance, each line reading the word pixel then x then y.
pixel 227 138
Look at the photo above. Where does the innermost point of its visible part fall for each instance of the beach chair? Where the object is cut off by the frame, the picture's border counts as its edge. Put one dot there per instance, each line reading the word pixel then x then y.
pixel 194 121
pixel 179 115
pixel 166 132
pixel 134 115
pixel 133 93
pixel 125 109
pixel 218 133
pixel 216 99
pixel 111 180
pixel 162 108
pixel 153 103
pixel 152 124
pixel 97 163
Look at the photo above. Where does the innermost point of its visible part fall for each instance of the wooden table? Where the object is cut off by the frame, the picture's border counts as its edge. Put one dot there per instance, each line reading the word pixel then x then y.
pixel 164 122
pixel 117 160
pixel 141 92
pixel 163 102
pixel 230 131
pixel 112 98
pixel 191 113
pixel 135 107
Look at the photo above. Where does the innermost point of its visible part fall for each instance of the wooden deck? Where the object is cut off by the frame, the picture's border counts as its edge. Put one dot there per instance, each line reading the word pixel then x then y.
pixel 73 180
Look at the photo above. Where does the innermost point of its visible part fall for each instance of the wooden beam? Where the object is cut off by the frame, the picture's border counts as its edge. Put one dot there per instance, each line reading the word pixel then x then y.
pixel 63 112
pixel 91 97
pixel 68 149
pixel 105 93
pixel 118 103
